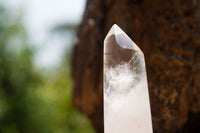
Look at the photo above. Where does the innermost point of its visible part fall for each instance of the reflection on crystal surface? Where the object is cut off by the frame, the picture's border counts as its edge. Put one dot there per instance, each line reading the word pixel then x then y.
pixel 126 98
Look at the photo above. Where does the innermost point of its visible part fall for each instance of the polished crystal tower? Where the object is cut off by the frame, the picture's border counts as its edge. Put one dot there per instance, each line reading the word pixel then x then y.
pixel 126 97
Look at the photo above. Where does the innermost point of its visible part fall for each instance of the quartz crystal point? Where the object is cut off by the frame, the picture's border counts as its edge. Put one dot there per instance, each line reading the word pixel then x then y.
pixel 126 97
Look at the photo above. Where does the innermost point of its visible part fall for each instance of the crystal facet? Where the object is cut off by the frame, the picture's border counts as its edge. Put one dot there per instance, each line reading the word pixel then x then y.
pixel 126 97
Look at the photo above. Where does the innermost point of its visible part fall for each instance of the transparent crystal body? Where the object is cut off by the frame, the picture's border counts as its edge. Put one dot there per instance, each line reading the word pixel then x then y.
pixel 126 96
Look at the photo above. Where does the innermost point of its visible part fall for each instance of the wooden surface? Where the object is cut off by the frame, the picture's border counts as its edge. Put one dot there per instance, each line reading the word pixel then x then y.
pixel 168 32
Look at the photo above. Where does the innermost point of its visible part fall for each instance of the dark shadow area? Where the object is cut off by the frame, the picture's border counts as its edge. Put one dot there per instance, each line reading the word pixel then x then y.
pixel 193 124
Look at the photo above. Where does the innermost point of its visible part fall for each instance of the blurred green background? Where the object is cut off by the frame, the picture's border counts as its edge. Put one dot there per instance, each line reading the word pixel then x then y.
pixel 33 100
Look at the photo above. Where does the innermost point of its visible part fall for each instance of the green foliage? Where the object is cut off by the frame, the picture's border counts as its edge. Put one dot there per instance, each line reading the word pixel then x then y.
pixel 29 103
pixel 63 117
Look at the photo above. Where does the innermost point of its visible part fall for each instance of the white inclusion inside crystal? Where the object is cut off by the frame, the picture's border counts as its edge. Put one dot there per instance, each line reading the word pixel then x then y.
pixel 120 79
pixel 118 82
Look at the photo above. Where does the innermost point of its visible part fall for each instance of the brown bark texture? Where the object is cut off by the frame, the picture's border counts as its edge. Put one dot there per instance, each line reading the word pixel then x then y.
pixel 168 32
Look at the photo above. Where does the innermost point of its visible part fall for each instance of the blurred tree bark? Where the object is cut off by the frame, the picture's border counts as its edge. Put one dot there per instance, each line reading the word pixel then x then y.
pixel 168 32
